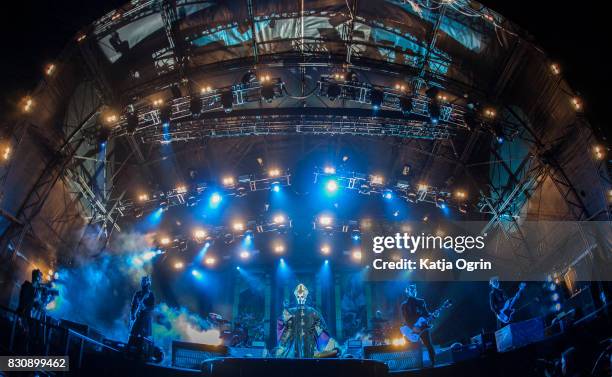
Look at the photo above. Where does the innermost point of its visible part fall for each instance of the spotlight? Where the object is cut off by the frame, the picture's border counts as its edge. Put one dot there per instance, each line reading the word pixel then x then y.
pixel 356 255
pixel 331 186
pixel 49 69
pixel 333 91
pixel 460 195
pixel 158 102
pixel 274 172
pixel 398 342
pixel 238 226
pixel 178 265
pixel 376 180
pixel 228 181
pixel 577 103
pixel 555 297
pixel 276 187
pixel 227 100
pixel 28 104
pixel 238 268
pixel 388 194
pixel 165 241
pixel 110 118
pixel 329 170
pixel 199 234
pixel 376 98
pixel 422 187
pixel 143 197
pixel 215 198
pixel 325 220
pixel 598 152
pixel 210 261
pixel 555 68
pixel 325 249
pixel 196 274
pixel 245 254
pixel 490 113
pixel 205 89
pixel 279 248
pixel 181 189
pixel 279 219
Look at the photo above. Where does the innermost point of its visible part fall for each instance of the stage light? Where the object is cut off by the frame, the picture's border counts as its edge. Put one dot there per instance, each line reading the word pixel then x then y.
pixel 181 189
pixel 238 226
pixel 28 104
pixel 400 87
pixel 279 219
pixel 210 261
pixel 376 180
pixel 50 69
pixel 356 236
pixel 276 187
pixel 196 274
pixel 238 268
pixel 396 213
pixel 356 255
pixel 6 154
pixel 158 102
pixel 376 98
pixel 460 195
pixel 326 261
pixel 422 187
pixel 599 152
pixel 555 297
pixel 331 186
pixel 555 68
pixel 227 101
pixel 199 234
pixel 178 265
pixel 329 170
pixel 274 172
pixel 228 181
pixel 244 254
pixel 398 342
pixel 81 37
pixel 325 249
pixel 333 91
pixel 205 89
pixel 577 103
pixel 110 118
pixel 490 113
pixel 279 248
pixel 557 307
pixel 148 255
pixel 325 220
pixel 388 194
pixel 215 198
pixel 165 241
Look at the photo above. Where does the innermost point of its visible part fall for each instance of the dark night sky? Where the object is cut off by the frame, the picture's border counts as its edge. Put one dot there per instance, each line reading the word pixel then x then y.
pixel 573 33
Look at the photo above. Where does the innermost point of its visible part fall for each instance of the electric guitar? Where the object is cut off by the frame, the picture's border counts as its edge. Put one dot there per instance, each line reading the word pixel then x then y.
pixel 505 314
pixel 413 333
pixel 139 309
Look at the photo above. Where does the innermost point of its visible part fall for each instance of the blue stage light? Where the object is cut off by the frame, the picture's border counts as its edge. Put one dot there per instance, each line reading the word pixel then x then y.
pixel 215 199
pixel 326 261
pixel 555 297
pixel 276 187
pixel 356 237
pixel 196 274
pixel 238 268
pixel 388 194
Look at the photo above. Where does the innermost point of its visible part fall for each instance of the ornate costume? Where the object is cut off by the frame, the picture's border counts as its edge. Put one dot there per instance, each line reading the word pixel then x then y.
pixel 301 330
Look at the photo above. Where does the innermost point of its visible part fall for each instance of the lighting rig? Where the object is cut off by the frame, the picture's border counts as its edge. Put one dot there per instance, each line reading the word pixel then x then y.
pixel 375 184
pixel 149 116
pixel 192 195
pixel 425 108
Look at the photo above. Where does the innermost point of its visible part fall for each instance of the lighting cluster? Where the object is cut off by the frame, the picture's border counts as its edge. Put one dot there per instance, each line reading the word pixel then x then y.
pixel 599 152
pixel 190 196
pixel 163 108
pixel 374 183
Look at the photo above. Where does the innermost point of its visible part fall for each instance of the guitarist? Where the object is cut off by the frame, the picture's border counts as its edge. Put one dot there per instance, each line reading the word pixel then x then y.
pixel 499 302
pixel 141 313
pixel 412 309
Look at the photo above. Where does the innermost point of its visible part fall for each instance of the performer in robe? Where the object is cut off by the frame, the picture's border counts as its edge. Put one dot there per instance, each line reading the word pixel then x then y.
pixel 302 332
